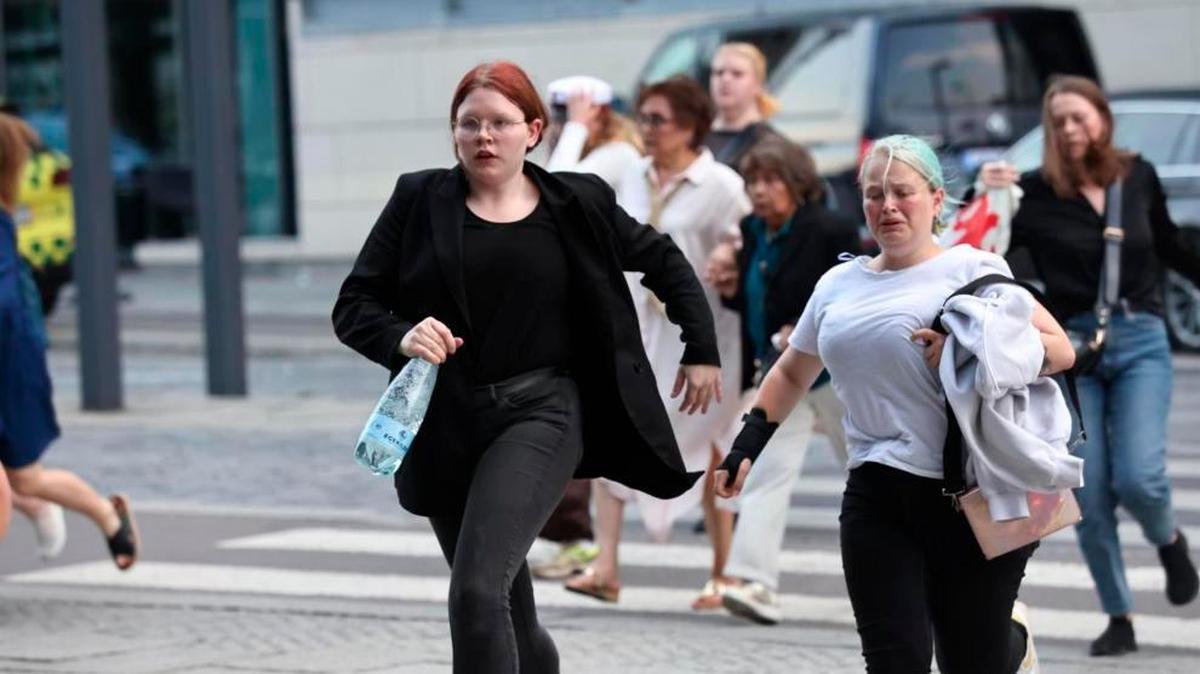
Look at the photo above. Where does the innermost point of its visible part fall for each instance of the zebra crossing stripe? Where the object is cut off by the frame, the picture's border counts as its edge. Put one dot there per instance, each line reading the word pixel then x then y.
pixel 1048 574
pixel 826 519
pixel 1053 623
pixel 1181 499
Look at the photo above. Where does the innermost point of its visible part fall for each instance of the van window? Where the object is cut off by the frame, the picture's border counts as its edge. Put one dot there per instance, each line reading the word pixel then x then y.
pixel 680 56
pixel 1156 136
pixel 934 66
pixel 774 42
pixel 1189 149
pixel 817 76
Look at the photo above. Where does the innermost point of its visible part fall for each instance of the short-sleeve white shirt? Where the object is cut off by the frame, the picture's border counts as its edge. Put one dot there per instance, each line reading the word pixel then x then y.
pixel 860 323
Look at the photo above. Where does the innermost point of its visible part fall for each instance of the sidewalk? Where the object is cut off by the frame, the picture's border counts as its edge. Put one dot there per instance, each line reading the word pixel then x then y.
pixel 93 632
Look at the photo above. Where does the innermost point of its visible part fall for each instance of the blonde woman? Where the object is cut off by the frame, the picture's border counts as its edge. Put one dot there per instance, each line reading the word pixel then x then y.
pixel 914 571
pixel 738 89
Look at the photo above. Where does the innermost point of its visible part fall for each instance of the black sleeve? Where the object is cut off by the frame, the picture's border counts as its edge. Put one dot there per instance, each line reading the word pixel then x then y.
pixel 669 275
pixel 362 316
pixel 738 301
pixel 1032 189
pixel 1177 251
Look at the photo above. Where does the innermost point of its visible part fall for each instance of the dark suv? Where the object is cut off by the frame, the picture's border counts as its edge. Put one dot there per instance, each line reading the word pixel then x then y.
pixel 970 80
pixel 1166 131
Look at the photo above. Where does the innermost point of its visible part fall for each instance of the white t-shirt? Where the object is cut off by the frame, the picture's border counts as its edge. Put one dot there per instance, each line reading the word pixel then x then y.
pixel 860 322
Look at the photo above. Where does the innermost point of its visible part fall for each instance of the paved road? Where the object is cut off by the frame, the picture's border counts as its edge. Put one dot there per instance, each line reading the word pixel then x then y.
pixel 269 550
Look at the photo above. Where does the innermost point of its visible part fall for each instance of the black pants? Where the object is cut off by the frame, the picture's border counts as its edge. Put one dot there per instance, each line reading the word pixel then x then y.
pixel 916 576
pixel 527 431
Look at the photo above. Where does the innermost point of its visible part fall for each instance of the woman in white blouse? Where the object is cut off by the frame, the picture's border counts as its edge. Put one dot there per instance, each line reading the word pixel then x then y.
pixel 680 189
pixel 586 134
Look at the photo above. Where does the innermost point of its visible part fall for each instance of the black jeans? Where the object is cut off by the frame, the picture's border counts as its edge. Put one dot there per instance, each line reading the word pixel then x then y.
pixel 916 575
pixel 527 431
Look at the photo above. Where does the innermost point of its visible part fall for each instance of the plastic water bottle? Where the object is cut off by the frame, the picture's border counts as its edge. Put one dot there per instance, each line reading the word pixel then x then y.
pixel 397 418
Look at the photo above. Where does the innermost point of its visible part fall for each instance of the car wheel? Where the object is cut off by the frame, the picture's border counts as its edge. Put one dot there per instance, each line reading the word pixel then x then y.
pixel 1181 300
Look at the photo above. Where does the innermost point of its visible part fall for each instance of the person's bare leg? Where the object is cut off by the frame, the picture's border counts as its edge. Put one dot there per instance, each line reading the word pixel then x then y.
pixel 48 523
pixel 719 525
pixel 610 512
pixel 69 491
pixel 718 521
pixel 29 506
pixel 5 505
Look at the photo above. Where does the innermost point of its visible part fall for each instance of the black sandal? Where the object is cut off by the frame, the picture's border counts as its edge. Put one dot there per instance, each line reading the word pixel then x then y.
pixel 125 542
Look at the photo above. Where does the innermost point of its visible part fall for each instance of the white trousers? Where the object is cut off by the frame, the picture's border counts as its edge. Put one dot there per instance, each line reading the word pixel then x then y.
pixel 766 497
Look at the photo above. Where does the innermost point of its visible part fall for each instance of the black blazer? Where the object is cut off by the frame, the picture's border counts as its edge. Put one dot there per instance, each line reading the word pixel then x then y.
pixel 411 267
pixel 817 237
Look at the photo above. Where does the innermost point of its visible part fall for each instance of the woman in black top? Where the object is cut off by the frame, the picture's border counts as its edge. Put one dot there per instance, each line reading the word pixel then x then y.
pixel 788 243
pixel 737 85
pixel 1126 398
pixel 512 280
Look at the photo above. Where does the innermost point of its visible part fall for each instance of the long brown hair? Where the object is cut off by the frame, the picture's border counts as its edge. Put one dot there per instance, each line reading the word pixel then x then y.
pixel 613 127
pixel 1102 164
pixel 15 138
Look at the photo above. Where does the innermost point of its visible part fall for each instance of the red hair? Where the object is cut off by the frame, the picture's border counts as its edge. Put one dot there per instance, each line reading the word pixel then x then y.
pixel 510 81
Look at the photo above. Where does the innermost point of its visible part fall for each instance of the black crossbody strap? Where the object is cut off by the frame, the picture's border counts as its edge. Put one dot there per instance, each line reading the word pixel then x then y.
pixel 953 478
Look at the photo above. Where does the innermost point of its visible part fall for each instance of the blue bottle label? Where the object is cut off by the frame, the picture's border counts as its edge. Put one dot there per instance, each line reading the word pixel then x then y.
pixel 390 432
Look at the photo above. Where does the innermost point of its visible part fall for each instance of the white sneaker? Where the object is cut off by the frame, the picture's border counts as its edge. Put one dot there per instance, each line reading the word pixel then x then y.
pixel 51 530
pixel 752 601
pixel 1020 615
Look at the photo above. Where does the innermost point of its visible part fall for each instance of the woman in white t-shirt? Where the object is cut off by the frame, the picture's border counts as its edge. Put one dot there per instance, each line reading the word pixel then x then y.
pixel 913 569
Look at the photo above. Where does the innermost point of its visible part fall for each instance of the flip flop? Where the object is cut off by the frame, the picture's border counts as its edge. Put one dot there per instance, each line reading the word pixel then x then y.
pixel 126 542
pixel 586 583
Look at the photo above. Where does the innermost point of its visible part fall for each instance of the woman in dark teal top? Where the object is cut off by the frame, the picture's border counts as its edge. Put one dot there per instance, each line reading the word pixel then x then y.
pixel 788 243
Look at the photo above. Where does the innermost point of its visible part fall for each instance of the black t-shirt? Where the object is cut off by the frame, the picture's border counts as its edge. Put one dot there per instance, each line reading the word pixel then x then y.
pixel 1065 239
pixel 728 147
pixel 517 281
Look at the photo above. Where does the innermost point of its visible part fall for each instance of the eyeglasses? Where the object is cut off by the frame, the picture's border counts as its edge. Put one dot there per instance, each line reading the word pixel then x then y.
pixel 471 127
pixel 653 120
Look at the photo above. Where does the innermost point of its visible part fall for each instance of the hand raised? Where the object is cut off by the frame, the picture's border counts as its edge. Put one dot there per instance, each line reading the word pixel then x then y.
pixel 995 174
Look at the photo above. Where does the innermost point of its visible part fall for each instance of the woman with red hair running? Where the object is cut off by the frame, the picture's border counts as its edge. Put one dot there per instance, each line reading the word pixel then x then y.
pixel 511 279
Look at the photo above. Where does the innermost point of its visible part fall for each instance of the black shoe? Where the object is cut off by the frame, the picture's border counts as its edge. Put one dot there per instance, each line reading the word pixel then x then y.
pixel 1182 581
pixel 1117 639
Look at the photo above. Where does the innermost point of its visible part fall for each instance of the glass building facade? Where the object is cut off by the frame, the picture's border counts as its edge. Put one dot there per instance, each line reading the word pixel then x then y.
pixel 151 141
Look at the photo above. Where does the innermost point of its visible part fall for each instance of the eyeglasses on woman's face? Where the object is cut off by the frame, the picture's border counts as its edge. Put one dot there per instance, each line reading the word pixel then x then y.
pixel 652 120
pixel 472 127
